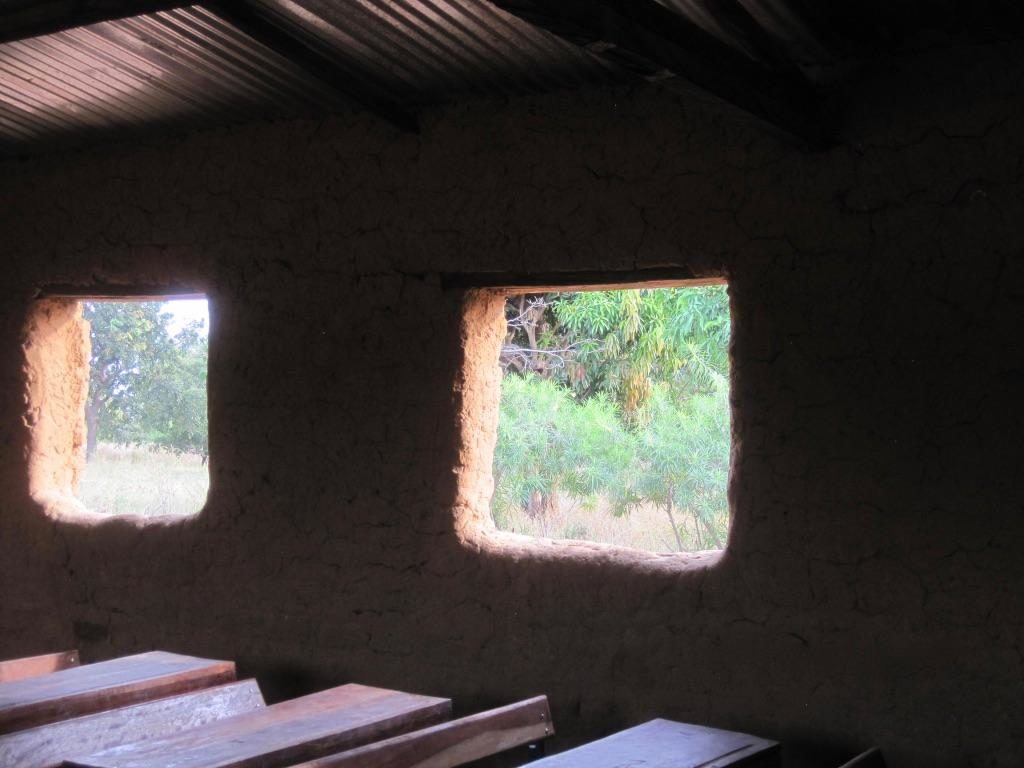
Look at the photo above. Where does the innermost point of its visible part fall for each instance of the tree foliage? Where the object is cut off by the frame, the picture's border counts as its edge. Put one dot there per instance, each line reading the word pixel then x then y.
pixel 549 443
pixel 632 340
pixel 619 396
pixel 682 463
pixel 146 386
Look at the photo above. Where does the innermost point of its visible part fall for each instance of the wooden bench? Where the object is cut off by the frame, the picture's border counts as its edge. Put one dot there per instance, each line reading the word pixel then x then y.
pixel 33 666
pixel 109 684
pixel 668 744
pixel 47 746
pixel 293 731
pixel 454 743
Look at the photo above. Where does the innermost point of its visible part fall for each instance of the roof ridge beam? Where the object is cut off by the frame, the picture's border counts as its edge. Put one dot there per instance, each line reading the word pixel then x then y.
pixel 653 41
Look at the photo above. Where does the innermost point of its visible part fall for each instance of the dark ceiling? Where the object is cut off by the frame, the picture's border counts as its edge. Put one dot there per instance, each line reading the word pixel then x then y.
pixel 76 71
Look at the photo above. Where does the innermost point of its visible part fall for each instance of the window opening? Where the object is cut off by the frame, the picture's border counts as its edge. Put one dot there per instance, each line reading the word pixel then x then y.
pixel 614 423
pixel 146 442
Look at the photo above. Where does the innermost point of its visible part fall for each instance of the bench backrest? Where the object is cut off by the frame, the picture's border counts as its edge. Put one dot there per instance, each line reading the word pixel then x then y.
pixel 33 666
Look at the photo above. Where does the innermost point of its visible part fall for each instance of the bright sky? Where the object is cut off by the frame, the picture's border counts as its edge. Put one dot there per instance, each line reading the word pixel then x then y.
pixel 185 311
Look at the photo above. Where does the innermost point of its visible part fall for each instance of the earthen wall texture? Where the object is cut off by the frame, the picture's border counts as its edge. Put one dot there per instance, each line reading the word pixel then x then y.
pixel 873 588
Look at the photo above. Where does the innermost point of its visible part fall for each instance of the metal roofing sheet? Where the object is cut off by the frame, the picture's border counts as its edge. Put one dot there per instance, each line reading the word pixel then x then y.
pixel 179 68
pixel 430 51
pixel 190 67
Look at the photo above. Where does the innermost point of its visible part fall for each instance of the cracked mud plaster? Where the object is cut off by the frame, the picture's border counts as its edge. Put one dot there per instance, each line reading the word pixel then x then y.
pixel 871 592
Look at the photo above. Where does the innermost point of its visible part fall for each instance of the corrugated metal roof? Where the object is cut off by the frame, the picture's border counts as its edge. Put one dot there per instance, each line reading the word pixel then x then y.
pixel 178 69
pixel 431 51
pixel 255 59
pixel 189 67
pixel 775 21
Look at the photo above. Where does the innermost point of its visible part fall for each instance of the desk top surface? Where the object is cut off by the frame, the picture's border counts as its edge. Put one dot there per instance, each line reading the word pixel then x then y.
pixel 283 734
pixel 666 744
pixel 104 685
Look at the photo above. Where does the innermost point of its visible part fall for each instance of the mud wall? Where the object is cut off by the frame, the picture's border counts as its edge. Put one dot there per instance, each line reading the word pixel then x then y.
pixel 871 592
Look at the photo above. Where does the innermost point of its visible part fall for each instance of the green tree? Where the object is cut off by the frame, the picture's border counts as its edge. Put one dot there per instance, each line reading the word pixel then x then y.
pixel 146 386
pixel 173 398
pixel 683 464
pixel 548 443
pixel 626 342
pixel 621 396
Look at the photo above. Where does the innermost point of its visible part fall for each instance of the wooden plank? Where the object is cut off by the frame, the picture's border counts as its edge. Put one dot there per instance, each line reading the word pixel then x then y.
pixel 293 731
pixel 451 744
pixel 544 282
pixel 100 292
pixel 106 685
pixel 49 745
pixel 33 666
pixel 668 744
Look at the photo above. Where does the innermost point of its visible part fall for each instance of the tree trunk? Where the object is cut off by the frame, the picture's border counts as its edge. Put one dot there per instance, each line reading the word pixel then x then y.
pixel 535 506
pixel 672 520
pixel 551 503
pixel 542 505
pixel 92 428
pixel 712 535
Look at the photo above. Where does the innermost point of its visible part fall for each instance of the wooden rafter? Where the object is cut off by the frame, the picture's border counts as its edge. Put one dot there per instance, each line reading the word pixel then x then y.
pixel 345 79
pixel 652 40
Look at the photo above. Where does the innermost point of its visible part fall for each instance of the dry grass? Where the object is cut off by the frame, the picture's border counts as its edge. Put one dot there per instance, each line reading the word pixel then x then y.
pixel 121 480
pixel 646 527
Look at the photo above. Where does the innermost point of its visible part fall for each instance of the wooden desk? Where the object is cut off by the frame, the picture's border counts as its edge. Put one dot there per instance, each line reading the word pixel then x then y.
pixel 283 734
pixel 49 745
pixel 451 744
pixel 668 744
pixel 97 687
